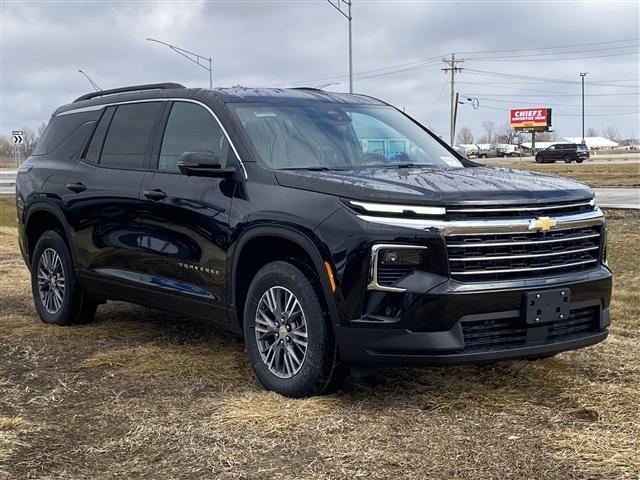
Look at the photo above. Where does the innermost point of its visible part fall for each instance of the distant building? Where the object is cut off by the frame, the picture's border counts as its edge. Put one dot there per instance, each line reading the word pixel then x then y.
pixel 594 143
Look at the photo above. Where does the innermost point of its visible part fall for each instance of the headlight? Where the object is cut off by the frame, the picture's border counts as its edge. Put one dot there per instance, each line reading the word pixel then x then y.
pixel 604 246
pixel 391 263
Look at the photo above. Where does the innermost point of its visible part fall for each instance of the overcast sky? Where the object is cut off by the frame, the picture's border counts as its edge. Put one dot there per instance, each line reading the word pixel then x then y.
pixel 277 43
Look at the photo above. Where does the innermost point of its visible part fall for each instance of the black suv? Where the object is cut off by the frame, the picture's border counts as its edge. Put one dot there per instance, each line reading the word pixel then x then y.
pixel 568 152
pixel 326 229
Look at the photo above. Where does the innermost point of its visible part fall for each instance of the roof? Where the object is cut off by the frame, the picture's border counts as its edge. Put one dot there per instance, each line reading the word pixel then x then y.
pixel 286 95
pixel 223 95
pixel 593 142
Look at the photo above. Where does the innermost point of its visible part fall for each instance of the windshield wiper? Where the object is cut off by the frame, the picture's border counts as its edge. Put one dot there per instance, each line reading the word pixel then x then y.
pixel 314 169
pixel 407 165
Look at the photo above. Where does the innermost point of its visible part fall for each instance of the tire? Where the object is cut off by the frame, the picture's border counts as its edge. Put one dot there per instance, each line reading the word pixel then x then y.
pixel 482 156
pixel 539 159
pixel 51 262
pixel 567 159
pixel 580 160
pixel 317 369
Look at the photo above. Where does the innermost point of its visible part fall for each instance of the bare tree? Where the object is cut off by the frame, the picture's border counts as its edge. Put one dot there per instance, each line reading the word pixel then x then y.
pixel 546 136
pixel 612 133
pixel 506 134
pixel 41 129
pixel 465 136
pixel 30 140
pixel 488 127
pixel 592 132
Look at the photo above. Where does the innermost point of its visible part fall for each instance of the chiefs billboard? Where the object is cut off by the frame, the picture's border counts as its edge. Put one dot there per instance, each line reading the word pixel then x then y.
pixel 523 118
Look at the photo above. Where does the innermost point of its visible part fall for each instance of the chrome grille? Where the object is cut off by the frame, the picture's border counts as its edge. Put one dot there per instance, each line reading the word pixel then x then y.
pixel 520 211
pixel 481 257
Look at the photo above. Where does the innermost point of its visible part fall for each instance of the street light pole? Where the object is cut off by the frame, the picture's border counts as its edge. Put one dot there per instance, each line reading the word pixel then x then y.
pixel 582 75
pixel 95 86
pixel 338 6
pixel 191 56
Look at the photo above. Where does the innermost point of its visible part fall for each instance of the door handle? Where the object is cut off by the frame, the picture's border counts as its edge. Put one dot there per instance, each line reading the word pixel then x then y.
pixel 156 194
pixel 76 187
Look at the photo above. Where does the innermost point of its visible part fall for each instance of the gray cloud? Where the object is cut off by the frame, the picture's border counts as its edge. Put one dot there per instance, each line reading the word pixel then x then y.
pixel 278 43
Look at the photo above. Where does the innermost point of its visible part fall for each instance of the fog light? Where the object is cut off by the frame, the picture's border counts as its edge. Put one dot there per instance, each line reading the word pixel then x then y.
pixel 401 257
pixel 391 263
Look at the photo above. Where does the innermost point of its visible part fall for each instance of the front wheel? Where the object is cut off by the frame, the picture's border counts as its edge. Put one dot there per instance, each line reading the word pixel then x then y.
pixel 539 159
pixel 58 298
pixel 289 341
pixel 580 160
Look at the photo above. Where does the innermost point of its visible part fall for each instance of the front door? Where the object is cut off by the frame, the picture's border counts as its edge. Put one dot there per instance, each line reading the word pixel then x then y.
pixel 184 220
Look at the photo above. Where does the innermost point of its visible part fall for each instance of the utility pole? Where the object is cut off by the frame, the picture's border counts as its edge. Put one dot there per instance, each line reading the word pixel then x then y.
pixel 453 68
pixel 582 75
pixel 455 117
pixel 337 4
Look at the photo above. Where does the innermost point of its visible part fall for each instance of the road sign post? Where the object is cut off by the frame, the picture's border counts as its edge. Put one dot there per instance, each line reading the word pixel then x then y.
pixel 17 137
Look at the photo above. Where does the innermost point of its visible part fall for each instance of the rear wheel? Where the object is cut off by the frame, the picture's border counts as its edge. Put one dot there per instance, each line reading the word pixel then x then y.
pixel 289 342
pixel 58 298
pixel 567 159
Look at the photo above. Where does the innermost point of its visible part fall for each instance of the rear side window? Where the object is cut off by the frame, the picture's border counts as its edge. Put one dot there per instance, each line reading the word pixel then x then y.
pixel 60 128
pixel 191 128
pixel 129 134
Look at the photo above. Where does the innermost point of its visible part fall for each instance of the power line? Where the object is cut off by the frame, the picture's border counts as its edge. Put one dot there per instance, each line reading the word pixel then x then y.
pixel 589 50
pixel 402 67
pixel 552 95
pixel 436 105
pixel 489 99
pixel 524 77
pixel 502 109
pixel 557 59
pixel 635 39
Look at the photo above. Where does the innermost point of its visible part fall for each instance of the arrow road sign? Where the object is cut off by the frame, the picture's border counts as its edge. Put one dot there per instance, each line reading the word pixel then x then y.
pixel 18 137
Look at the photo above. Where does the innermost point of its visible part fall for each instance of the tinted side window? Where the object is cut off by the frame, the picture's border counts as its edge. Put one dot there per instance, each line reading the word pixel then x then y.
pixel 191 128
pixel 60 128
pixel 129 134
pixel 95 147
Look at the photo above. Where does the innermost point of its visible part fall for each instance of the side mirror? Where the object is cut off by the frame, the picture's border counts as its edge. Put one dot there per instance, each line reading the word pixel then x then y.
pixel 203 164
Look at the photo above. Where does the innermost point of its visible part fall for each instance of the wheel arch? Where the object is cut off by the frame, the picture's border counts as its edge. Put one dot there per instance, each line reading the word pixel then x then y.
pixel 39 218
pixel 296 243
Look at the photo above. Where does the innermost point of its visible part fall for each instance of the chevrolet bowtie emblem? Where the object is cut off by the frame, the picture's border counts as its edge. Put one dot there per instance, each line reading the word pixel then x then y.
pixel 543 224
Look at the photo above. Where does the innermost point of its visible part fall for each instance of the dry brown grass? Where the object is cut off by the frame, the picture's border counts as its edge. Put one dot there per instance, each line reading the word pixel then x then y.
pixel 144 394
pixel 594 175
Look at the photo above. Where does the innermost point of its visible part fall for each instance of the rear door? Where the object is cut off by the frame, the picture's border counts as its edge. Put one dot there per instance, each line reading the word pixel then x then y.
pixel 103 194
pixel 185 219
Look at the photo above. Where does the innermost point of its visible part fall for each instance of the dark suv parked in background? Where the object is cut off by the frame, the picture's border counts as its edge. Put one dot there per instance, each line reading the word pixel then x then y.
pixel 568 152
pixel 326 229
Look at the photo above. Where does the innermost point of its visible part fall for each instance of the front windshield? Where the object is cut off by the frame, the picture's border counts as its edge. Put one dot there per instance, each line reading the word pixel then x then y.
pixel 337 136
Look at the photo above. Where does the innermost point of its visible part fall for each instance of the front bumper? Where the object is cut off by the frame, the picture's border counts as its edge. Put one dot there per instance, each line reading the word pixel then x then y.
pixel 457 323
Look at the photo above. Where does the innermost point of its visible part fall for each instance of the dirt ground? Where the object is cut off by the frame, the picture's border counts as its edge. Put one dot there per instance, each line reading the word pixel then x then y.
pixel 146 395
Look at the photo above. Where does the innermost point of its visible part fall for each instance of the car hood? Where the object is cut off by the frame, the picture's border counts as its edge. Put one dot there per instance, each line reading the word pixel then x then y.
pixel 431 186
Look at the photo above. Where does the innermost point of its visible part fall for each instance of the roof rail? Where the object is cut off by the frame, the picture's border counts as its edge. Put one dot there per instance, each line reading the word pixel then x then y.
pixel 133 88
pixel 314 89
